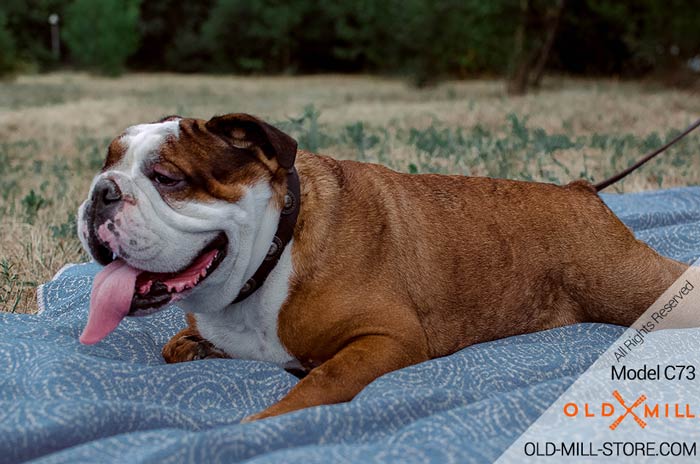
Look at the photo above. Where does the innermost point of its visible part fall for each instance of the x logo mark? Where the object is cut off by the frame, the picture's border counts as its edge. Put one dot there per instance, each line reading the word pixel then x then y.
pixel 628 410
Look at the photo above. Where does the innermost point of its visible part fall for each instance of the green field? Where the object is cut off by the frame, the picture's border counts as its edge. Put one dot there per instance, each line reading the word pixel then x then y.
pixel 54 130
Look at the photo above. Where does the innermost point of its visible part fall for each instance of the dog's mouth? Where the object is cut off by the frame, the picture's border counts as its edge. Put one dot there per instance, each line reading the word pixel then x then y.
pixel 121 290
pixel 154 290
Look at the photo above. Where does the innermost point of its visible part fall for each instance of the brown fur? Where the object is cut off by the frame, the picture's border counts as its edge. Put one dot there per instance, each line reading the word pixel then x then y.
pixel 214 168
pixel 394 269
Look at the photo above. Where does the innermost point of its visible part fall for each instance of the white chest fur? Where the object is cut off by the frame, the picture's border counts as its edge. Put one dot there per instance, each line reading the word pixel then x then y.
pixel 248 330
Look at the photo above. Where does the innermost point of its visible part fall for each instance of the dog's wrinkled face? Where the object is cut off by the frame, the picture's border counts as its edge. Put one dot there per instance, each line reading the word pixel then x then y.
pixel 184 210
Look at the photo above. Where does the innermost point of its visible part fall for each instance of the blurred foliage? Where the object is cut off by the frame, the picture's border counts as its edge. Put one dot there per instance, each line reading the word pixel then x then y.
pixel 102 34
pixel 274 36
pixel 422 38
pixel 254 36
pixel 27 23
pixel 426 39
pixel 171 36
pixel 8 58
pixel 627 37
pixel 655 33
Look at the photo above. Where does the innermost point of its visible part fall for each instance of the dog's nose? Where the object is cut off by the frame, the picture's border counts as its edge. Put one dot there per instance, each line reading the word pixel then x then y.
pixel 106 192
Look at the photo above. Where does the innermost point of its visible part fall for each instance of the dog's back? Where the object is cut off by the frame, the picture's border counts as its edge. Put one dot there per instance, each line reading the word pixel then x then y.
pixel 479 258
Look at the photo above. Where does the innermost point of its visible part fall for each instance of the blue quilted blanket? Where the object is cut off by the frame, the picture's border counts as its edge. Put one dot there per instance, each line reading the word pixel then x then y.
pixel 118 402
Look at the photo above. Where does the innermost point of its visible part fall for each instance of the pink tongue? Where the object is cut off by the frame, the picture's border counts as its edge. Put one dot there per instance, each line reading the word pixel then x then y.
pixel 110 300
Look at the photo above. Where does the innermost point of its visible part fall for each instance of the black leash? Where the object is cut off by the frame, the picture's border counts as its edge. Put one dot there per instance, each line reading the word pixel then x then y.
pixel 608 182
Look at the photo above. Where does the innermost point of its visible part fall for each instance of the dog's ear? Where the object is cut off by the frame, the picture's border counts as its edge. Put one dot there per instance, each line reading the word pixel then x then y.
pixel 250 133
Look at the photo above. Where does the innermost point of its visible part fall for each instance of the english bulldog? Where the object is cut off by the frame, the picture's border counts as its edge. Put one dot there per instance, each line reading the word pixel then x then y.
pixel 343 270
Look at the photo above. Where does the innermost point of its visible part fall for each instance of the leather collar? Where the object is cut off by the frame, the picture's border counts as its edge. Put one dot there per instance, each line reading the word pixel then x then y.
pixel 283 235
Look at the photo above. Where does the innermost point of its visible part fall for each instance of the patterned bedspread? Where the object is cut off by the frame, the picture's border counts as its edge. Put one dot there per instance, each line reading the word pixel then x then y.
pixel 118 402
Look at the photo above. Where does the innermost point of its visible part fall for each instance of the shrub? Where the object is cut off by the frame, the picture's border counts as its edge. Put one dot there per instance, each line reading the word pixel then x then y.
pixel 102 34
pixel 252 36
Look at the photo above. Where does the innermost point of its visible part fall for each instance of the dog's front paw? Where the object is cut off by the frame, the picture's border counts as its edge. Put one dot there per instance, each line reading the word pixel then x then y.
pixel 188 345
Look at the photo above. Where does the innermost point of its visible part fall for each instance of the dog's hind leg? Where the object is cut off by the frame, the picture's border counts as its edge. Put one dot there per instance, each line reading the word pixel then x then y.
pixel 625 287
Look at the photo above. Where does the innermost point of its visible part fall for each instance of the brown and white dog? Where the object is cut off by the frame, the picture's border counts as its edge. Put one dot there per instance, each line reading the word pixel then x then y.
pixel 383 270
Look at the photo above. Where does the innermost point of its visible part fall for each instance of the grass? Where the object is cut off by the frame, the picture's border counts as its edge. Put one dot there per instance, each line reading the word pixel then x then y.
pixel 54 130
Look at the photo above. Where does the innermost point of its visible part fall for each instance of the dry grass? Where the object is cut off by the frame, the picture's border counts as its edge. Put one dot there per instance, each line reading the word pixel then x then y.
pixel 54 129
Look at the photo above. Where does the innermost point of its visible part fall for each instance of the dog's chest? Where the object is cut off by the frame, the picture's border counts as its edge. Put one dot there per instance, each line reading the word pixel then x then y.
pixel 248 330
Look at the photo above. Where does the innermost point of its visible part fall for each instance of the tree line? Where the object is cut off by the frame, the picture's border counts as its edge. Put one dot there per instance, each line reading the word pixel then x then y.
pixel 425 39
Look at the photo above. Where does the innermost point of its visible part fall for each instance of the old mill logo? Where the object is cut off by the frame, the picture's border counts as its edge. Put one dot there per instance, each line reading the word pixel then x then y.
pixel 628 410
pixel 640 410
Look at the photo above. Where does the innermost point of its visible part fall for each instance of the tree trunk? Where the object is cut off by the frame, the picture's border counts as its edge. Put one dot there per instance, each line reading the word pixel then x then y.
pixel 517 83
pixel 555 19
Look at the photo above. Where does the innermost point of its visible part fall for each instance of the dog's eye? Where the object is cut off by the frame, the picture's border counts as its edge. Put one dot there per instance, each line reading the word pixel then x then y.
pixel 162 176
pixel 162 179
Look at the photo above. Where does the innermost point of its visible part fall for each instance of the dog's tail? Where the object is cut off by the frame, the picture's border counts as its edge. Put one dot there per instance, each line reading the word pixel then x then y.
pixel 621 175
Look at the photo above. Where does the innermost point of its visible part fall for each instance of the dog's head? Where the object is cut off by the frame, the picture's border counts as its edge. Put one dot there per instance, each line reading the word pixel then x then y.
pixel 184 209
